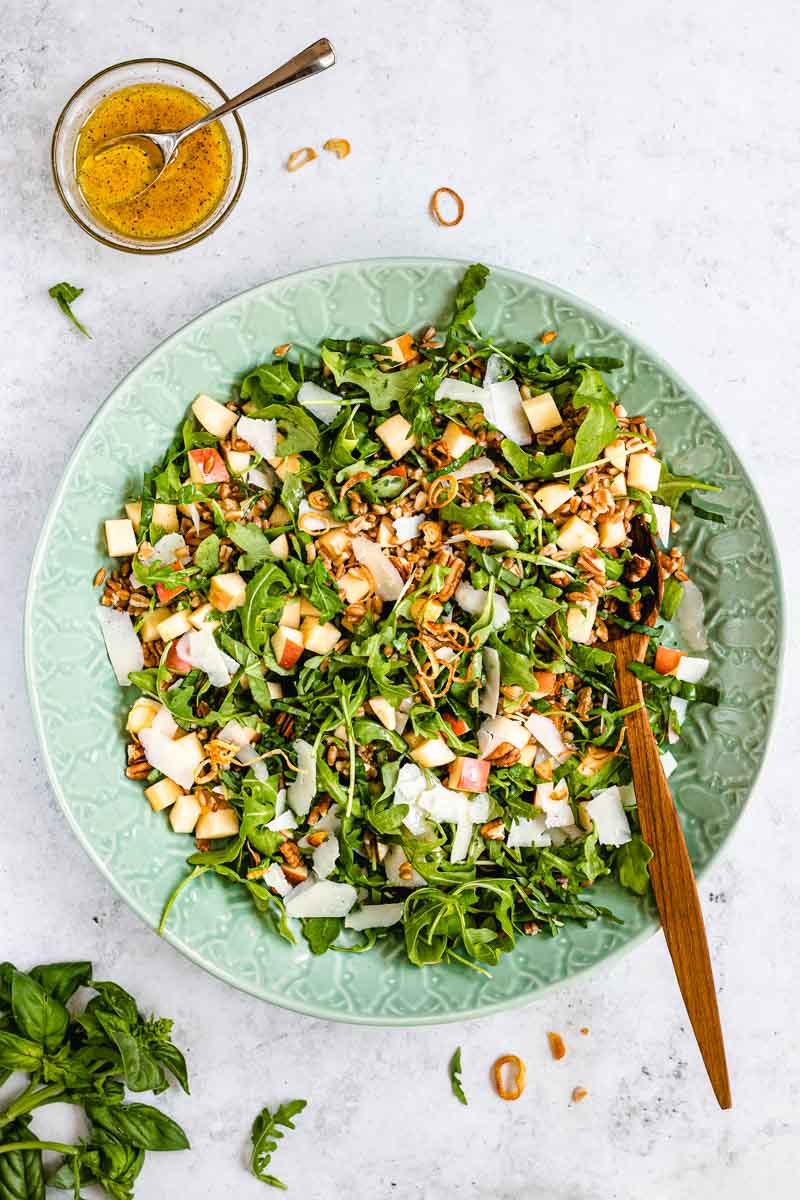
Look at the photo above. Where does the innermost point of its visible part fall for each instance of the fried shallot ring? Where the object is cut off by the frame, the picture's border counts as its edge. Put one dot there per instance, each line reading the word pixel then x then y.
pixel 442 490
pixel 518 1087
pixel 324 518
pixel 339 146
pixel 299 158
pixel 359 477
pixel 435 211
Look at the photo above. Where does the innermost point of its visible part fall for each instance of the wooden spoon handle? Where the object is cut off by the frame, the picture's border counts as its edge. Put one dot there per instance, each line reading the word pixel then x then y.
pixel 674 885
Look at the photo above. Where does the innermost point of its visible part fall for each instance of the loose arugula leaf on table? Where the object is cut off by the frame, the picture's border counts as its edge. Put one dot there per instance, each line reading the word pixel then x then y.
pixel 266 1132
pixel 64 294
pixel 455 1076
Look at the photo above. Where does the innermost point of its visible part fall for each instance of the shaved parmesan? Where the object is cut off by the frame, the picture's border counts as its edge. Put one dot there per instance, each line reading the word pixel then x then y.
pixel 528 831
pixel 374 916
pixel 497 730
pixel 546 734
pixel 691 670
pixel 122 645
pixel 690 617
pixel 461 840
pixel 324 405
pixel 325 856
pixel 497 368
pixel 388 580
pixel 320 898
pixel 407 528
pixel 284 820
pixel 502 404
pixel 274 878
pixel 303 788
pixel 553 799
pixel 475 466
pixel 394 860
pixel 164 722
pixel 205 654
pixel 473 601
pixel 260 479
pixel 193 513
pixel 668 762
pixel 260 433
pixel 490 692
pixel 165 547
pixel 497 537
pixel 455 389
pixel 240 735
pixel 178 760
pixel 606 813
pixel 663 515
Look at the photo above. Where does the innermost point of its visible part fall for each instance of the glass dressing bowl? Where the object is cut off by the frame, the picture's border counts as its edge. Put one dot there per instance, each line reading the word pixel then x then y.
pixel 86 99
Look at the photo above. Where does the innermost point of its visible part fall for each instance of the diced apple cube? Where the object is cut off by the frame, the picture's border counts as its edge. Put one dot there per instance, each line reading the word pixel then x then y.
pixel 217 823
pixel 206 466
pixel 185 813
pixel 618 486
pixel 227 591
pixel 280 547
pixel 402 348
pixel 552 496
pixel 335 543
pixel 319 639
pixel 384 711
pixel 290 617
pixel 166 593
pixel 163 794
pixel 287 646
pixel 142 714
pixel 352 587
pixel 426 608
pixel 432 752
pixel 165 516
pixel 289 465
pixel 576 534
pixel 616 453
pixel 201 618
pixel 580 621
pixel 456 439
pixel 148 630
pixel 213 416
pixel 275 690
pixel 542 412
pixel 307 609
pixel 174 626
pixel 280 516
pixel 396 435
pixel 238 461
pixel 469 774
pixel 644 472
pixel 120 538
pixel 612 532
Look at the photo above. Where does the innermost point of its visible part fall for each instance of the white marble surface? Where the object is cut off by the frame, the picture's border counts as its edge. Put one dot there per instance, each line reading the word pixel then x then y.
pixel 642 155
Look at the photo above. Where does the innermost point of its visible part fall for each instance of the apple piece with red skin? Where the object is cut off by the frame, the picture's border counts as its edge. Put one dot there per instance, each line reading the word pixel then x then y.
pixel 469 774
pixel 206 466
pixel 166 593
pixel 175 660
pixel 458 725
pixel 667 660
pixel 287 646
pixel 399 470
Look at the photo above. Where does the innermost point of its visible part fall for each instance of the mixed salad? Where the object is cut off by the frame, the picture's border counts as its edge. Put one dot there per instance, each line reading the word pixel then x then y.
pixel 366 601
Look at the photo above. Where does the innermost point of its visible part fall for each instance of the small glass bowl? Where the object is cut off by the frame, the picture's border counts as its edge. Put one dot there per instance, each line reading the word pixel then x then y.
pixel 86 99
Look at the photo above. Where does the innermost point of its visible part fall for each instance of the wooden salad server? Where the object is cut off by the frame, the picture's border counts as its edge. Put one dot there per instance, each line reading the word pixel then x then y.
pixel 671 873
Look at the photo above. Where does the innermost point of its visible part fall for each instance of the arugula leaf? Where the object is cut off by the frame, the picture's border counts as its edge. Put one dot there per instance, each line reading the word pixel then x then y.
pixel 630 863
pixel 387 818
pixel 321 932
pixel 301 432
pixel 532 466
pixel 264 599
pixel 671 488
pixel 599 426
pixel 671 597
pixel 455 1076
pixel 514 667
pixel 482 515
pixel 532 600
pixel 472 284
pixel 64 294
pixel 265 1135
pixel 384 388
pixel 269 379
pixel 253 541
pixel 206 556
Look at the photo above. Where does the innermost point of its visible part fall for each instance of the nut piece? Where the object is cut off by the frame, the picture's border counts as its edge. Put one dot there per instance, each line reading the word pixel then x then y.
pixel 494 831
pixel 557 1047
pixel 578 1094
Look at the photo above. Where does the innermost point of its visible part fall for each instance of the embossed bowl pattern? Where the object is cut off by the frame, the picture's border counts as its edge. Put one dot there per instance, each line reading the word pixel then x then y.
pixel 79 710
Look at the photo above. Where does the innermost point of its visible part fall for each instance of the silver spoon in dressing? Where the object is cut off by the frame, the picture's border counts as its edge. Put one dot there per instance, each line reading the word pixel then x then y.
pixel 160 148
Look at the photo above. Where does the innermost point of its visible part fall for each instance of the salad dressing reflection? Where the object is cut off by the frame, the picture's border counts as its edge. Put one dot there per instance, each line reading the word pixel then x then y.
pixel 112 180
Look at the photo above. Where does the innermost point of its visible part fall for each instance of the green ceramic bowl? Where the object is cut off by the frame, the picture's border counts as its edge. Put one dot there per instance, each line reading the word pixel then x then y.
pixel 79 709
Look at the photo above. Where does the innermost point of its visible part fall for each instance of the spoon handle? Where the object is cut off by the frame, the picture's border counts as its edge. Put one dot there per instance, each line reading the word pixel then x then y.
pixel 671 874
pixel 315 58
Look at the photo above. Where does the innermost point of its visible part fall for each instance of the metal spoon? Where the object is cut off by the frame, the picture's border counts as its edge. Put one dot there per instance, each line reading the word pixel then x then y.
pixel 315 58
pixel 671 873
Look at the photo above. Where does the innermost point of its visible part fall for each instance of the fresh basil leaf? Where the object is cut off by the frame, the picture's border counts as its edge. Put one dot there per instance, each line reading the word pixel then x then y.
pixel 21 1171
pixel 168 1053
pixel 140 1070
pixel 630 863
pixel 269 379
pixel 116 1000
pixel 139 1125
pixel 265 1134
pixel 19 1053
pixel 455 1076
pixel 64 294
pixel 62 980
pixel 38 1015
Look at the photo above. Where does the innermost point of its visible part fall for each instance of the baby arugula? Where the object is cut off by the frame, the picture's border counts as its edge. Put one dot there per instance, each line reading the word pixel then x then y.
pixel 64 294
pixel 87 1058
pixel 266 1133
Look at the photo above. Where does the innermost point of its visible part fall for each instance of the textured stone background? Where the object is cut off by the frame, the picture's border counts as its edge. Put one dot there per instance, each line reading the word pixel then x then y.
pixel 643 156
